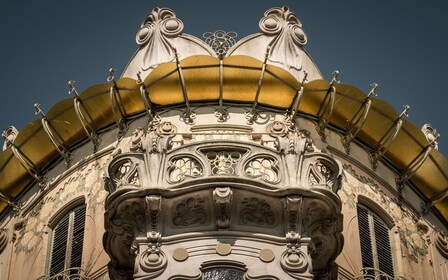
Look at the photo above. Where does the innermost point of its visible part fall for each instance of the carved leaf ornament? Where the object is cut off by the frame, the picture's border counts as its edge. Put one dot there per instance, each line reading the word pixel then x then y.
pixel 289 36
pixel 159 25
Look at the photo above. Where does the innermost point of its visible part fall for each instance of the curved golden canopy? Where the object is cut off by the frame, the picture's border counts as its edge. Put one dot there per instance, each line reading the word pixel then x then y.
pixel 202 83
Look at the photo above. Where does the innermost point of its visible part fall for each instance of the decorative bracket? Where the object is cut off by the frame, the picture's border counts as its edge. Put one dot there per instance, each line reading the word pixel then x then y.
pixel 153 208
pixel 413 166
pixel 117 102
pixel 54 136
pixel 433 200
pixel 358 120
pixel 148 104
pixel 295 104
pixel 33 170
pixel 221 113
pixel 189 116
pixel 86 120
pixel 222 198
pixel 388 138
pixel 253 115
pixel 293 214
pixel 326 107
pixel 16 207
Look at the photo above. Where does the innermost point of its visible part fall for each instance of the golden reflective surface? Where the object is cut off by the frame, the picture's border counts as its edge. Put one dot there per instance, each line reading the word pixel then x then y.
pixel 240 75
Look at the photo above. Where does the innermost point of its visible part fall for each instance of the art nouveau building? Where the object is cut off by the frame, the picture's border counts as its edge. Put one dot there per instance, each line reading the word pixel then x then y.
pixel 222 159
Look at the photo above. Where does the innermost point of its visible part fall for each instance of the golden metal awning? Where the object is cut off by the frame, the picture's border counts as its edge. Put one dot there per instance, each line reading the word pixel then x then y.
pixel 235 79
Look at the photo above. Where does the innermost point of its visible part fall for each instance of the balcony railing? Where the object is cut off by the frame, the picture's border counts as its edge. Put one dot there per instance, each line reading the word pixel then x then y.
pixel 74 273
pixel 370 273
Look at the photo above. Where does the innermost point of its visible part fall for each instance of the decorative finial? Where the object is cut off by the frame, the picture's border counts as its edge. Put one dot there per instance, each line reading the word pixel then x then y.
pixel 288 34
pixel 159 25
pixel 431 135
pixel 405 112
pixel 72 89
pixel 373 86
pixel 334 79
pixel 9 135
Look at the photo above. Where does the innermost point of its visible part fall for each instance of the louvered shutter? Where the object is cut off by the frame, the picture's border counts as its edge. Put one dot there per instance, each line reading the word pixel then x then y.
pixel 383 247
pixel 77 237
pixel 59 247
pixel 68 238
pixel 365 238
pixel 375 243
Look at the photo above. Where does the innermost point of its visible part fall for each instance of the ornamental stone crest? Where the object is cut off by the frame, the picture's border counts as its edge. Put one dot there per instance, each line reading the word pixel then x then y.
pixel 152 36
pixel 288 36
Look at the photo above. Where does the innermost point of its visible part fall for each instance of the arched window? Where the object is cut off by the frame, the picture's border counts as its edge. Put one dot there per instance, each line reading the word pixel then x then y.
pixel 376 249
pixel 67 242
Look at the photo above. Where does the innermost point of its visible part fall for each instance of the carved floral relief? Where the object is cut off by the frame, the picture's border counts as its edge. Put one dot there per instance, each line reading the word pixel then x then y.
pixel 86 180
pixel 413 244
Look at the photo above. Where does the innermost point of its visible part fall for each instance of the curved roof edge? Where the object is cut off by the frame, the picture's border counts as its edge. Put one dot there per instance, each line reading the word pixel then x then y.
pixel 25 159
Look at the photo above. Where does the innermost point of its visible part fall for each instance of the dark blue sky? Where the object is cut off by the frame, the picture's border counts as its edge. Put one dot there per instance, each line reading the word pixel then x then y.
pixel 402 45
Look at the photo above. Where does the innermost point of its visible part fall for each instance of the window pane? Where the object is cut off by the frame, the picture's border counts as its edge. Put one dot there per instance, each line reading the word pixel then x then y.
pixel 223 274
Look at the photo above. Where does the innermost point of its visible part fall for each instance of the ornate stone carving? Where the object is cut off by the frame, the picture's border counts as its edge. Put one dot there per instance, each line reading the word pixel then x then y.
pixel 289 36
pixel 293 213
pixel 223 162
pixel 323 224
pixel 166 129
pixel 431 135
pixel 190 212
pixel 4 239
pixel 136 140
pixel 153 208
pixel 9 135
pixel 323 171
pixel 159 25
pixel 180 168
pixel 220 41
pixel 277 128
pixel 263 167
pixel 295 260
pixel 441 243
pixel 152 261
pixel 223 197
pixel 122 173
pixel 122 227
pixel 255 211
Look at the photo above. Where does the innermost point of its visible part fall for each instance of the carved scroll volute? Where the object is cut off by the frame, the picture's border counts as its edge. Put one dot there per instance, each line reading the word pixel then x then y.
pixel 323 223
pixel 125 170
pixel 4 239
pixel 123 223
pixel 153 37
pixel 320 170
pixel 288 34
pixel 222 198
pixel 296 260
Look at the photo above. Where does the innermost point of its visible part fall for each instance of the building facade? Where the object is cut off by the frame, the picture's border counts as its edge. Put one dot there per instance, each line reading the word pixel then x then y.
pixel 223 159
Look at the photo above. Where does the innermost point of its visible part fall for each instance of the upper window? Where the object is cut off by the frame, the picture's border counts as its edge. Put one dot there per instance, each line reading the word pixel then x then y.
pixel 375 244
pixel 67 242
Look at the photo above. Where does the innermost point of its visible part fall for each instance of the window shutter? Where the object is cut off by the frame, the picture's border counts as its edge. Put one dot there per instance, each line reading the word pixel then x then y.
pixel 68 238
pixel 383 247
pixel 59 247
pixel 375 244
pixel 78 237
pixel 365 238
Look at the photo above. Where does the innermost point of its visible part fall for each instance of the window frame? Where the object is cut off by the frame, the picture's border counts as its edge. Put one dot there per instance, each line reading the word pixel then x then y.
pixel 374 210
pixel 68 209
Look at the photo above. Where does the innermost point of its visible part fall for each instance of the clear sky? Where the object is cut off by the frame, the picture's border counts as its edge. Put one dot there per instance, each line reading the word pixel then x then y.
pixel 401 45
